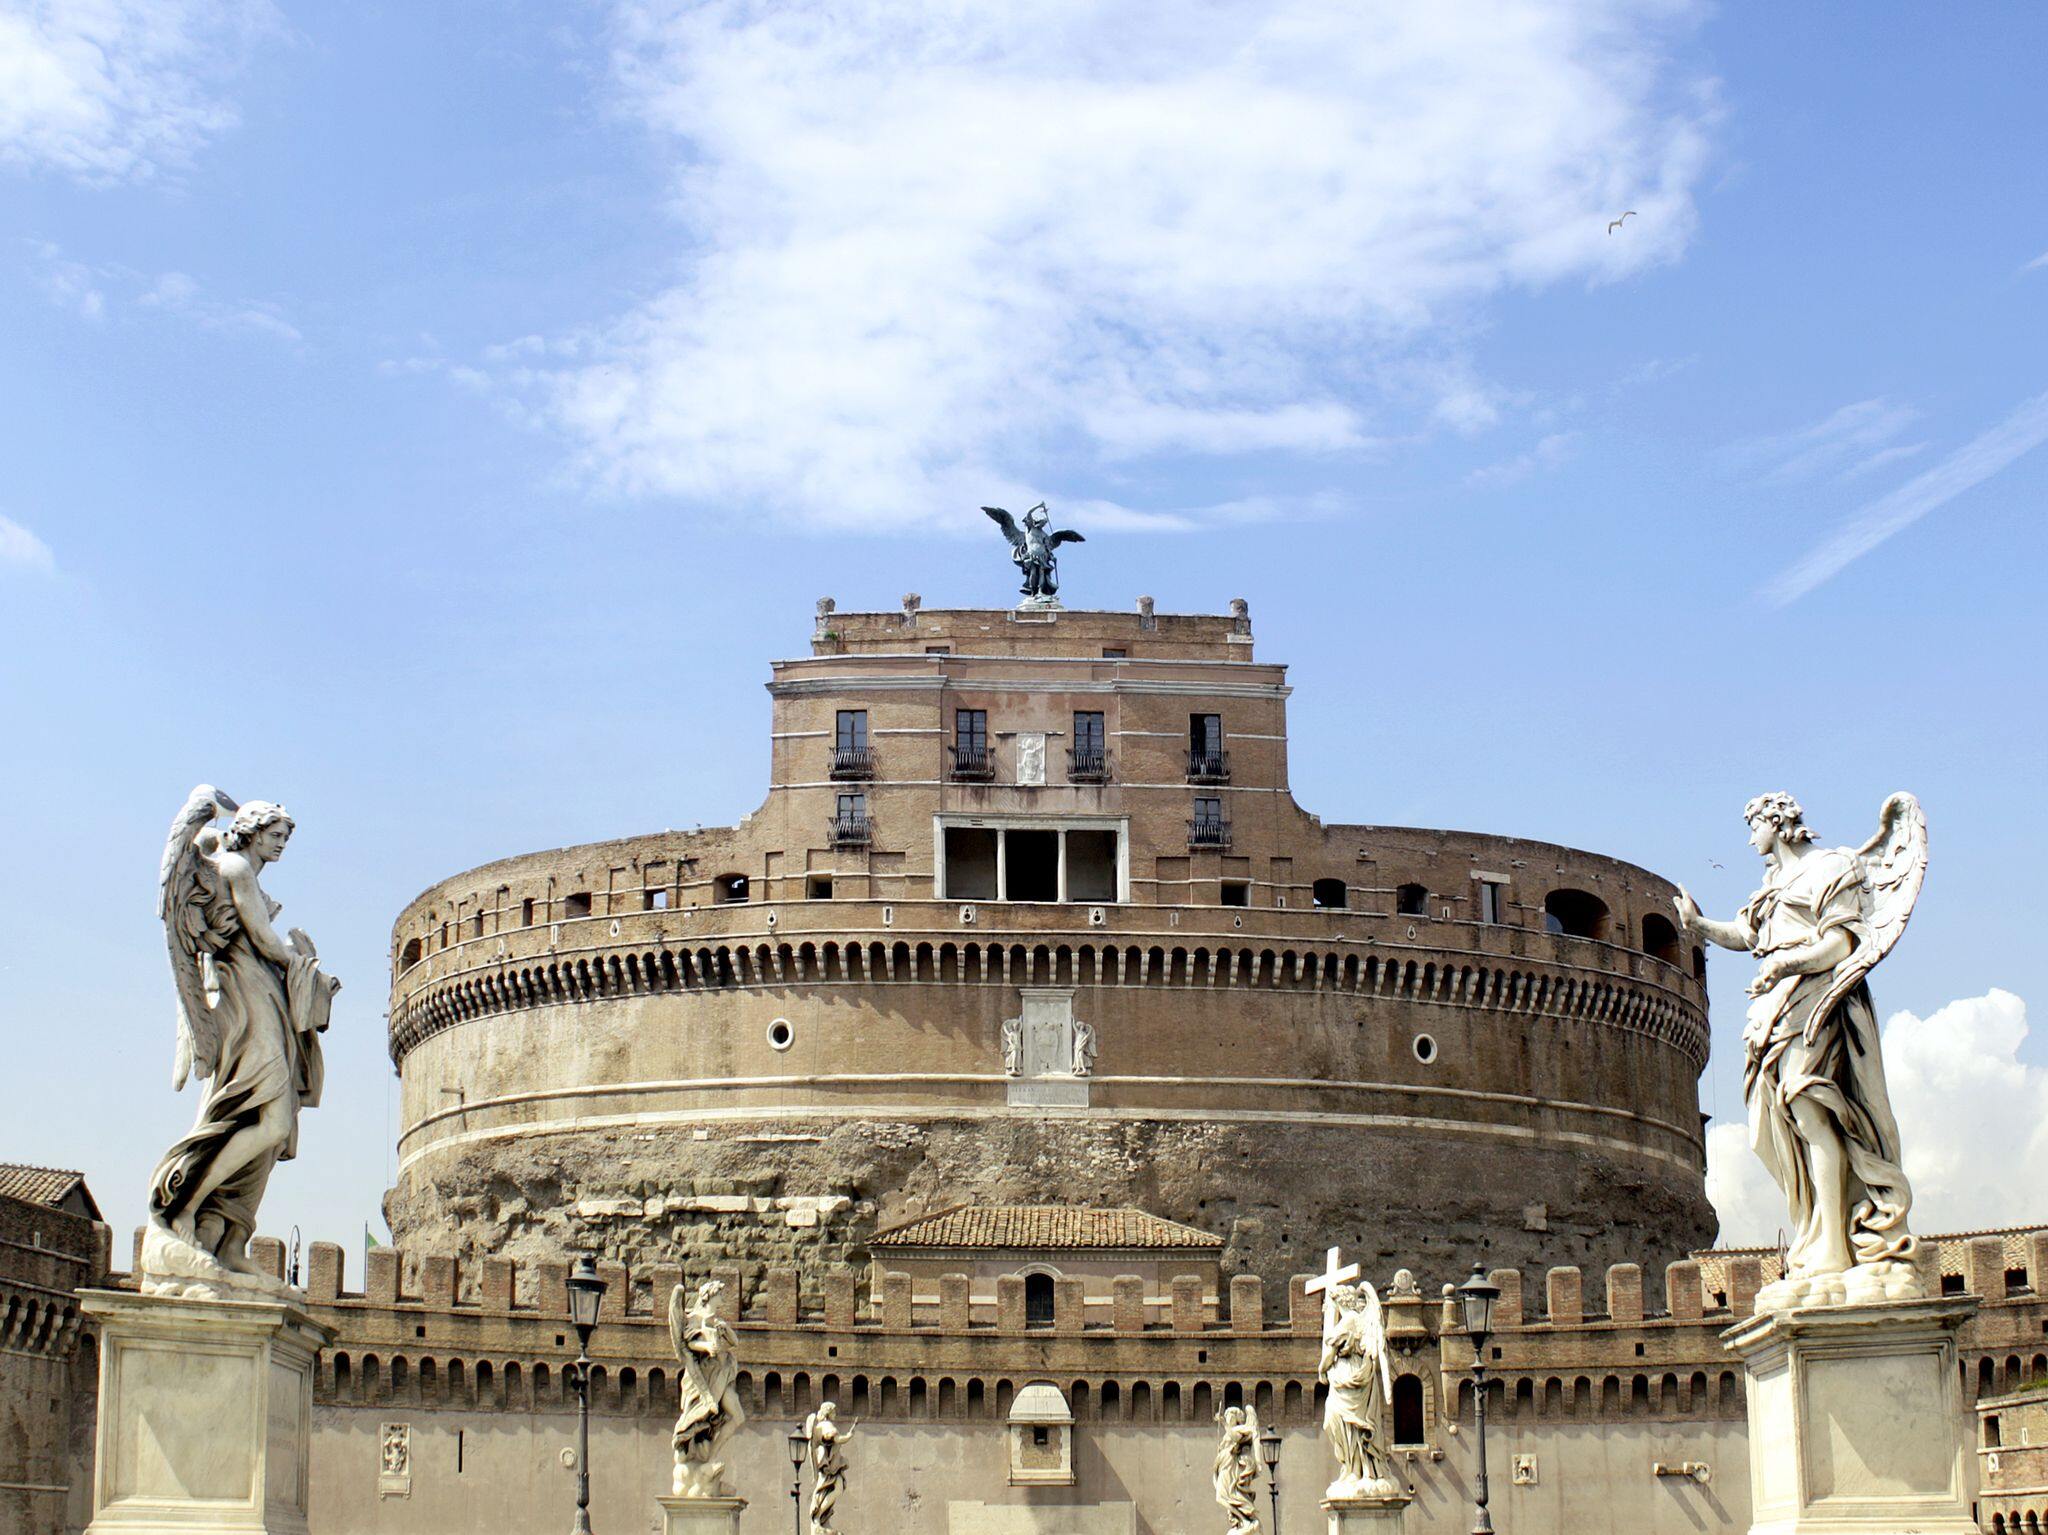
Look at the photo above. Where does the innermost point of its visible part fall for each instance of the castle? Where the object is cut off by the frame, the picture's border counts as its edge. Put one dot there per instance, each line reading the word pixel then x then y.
pixel 1014 1064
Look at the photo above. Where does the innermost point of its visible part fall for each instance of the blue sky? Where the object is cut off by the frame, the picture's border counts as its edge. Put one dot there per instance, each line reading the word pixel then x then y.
pixel 435 417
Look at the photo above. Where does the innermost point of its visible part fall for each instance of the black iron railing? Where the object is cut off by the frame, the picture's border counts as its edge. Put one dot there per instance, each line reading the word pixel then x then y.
pixel 1208 767
pixel 973 764
pixel 1205 832
pixel 853 762
pixel 1087 764
pixel 850 831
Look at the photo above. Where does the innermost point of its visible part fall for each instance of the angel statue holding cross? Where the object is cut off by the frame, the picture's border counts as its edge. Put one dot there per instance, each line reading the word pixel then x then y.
pixel 252 1004
pixel 1812 1073
pixel 1356 1367
pixel 1031 548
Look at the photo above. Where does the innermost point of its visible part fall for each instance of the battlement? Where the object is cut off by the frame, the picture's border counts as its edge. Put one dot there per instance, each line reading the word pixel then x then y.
pixel 1043 633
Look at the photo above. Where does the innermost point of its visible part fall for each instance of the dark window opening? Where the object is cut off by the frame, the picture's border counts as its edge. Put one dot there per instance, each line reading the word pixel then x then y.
pixel 1031 865
pixel 576 905
pixel 1091 866
pixel 1038 1300
pixel 1660 938
pixel 1114 653
pixel 1041 1436
pixel 1237 892
pixel 971 757
pixel 409 955
pixel 730 889
pixel 526 912
pixel 654 900
pixel 1330 894
pixel 1206 759
pixel 818 888
pixel 850 821
pixel 1088 758
pixel 476 926
pixel 1575 914
pixel 1991 1431
pixel 1951 1284
pixel 1699 964
pixel 850 755
pixel 938 650
pixel 2015 1281
pixel 1492 902
pixel 444 935
pixel 970 863
pixel 1408 1410
pixel 1206 828
pixel 1412 901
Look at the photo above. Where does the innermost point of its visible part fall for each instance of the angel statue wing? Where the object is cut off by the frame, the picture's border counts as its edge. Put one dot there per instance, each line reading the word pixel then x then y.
pixel 1065 536
pixel 1376 1339
pixel 1008 524
pixel 1894 865
pixel 679 1322
pixel 198 919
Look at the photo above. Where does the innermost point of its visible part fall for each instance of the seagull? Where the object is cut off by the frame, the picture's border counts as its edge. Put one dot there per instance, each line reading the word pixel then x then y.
pixel 1716 863
pixel 1616 224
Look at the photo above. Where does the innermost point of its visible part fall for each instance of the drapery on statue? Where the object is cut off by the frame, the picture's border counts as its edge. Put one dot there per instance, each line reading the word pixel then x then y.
pixel 251 1009
pixel 828 1465
pixel 1812 1074
pixel 1031 548
pixel 1236 1475
pixel 1361 1381
pixel 710 1409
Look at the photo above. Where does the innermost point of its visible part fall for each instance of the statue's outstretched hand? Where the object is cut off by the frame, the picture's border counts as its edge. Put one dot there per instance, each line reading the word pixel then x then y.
pixel 1688 909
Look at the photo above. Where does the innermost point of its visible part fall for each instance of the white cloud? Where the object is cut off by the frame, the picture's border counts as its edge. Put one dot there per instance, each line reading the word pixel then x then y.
pixel 1549 452
pixel 2037 263
pixel 95 291
pixel 1970 465
pixel 109 90
pixel 1854 440
pixel 22 550
pixel 927 250
pixel 1973 1120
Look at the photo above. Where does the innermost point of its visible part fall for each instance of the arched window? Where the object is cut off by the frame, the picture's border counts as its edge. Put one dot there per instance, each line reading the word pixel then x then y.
pixel 1412 900
pixel 1575 913
pixel 1660 938
pixel 409 955
pixel 1408 1410
pixel 729 889
pixel 1038 1300
pixel 1330 895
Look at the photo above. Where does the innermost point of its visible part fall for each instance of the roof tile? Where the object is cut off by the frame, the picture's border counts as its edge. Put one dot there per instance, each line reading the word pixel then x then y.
pixel 1043 1226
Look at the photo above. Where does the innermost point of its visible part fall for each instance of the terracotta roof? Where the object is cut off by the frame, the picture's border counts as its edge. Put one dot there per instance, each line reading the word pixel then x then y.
pixel 43 1185
pixel 1042 1226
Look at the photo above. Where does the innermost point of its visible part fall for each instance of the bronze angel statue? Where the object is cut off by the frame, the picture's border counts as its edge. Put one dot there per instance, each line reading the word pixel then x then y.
pixel 251 1008
pixel 1235 1475
pixel 1360 1375
pixel 1812 1073
pixel 1031 548
pixel 705 1344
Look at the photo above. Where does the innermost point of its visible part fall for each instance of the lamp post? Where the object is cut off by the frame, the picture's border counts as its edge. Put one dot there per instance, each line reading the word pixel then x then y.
pixel 1269 1452
pixel 586 1294
pixel 799 1447
pixel 1477 1295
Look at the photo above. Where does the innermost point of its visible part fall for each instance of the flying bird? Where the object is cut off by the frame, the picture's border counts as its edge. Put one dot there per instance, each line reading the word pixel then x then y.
pixel 1716 863
pixel 1617 223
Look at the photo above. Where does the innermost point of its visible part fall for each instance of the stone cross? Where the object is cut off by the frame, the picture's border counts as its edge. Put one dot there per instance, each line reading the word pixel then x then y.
pixel 1332 1275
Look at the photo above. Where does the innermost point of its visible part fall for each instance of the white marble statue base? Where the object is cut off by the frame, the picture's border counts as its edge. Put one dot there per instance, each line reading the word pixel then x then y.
pixel 1856 1418
pixel 205 1415
pixel 700 1516
pixel 1368 1514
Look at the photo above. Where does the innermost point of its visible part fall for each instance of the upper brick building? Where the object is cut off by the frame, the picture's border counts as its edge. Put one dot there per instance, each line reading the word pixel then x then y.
pixel 1030 916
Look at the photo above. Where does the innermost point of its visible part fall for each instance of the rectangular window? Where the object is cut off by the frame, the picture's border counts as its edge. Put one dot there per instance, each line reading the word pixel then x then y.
pixel 1207 809
pixel 1091 866
pixel 1491 903
pixel 970 732
pixel 576 905
pixel 853 807
pixel 1236 892
pixel 526 912
pixel 1114 653
pixel 1205 734
pixel 654 900
pixel 818 887
pixel 852 734
pixel 970 863
pixel 1031 865
pixel 1088 731
pixel 938 650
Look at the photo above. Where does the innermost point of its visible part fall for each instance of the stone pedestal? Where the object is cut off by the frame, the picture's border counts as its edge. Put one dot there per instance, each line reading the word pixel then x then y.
pixel 1379 1514
pixel 205 1415
pixel 1856 1419
pixel 700 1516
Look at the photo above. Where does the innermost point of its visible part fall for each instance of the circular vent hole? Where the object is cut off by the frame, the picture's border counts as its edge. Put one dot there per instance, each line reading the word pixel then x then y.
pixel 780 1034
pixel 1425 1049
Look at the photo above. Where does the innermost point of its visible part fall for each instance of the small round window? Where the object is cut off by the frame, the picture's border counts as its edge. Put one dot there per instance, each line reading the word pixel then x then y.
pixel 780 1035
pixel 1425 1049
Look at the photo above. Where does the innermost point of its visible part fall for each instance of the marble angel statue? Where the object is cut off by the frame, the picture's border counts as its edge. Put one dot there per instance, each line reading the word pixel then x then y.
pixel 1236 1474
pixel 710 1409
pixel 251 1008
pixel 1812 1074
pixel 1356 1367
pixel 828 1465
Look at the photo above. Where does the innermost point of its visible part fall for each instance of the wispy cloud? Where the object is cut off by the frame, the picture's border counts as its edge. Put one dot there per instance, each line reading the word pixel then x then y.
pixel 116 90
pixel 94 292
pixel 2021 432
pixel 1548 453
pixel 931 250
pixel 22 550
pixel 1852 441
pixel 2037 263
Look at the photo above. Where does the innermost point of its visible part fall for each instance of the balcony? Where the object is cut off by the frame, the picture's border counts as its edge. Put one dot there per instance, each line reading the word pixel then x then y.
pixel 1087 764
pixel 972 764
pixel 1208 767
pixel 851 831
pixel 853 762
pixel 1206 833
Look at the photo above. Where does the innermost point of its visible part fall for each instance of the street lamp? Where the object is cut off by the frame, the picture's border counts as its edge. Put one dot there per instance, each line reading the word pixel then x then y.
pixel 799 1447
pixel 1269 1452
pixel 586 1294
pixel 1477 1295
